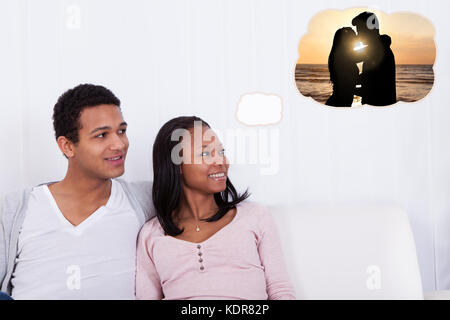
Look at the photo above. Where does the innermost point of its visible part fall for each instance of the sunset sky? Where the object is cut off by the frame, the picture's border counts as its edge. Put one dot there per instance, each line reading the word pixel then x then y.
pixel 412 35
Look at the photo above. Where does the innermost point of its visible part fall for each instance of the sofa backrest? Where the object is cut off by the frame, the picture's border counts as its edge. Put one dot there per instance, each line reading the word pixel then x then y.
pixel 349 252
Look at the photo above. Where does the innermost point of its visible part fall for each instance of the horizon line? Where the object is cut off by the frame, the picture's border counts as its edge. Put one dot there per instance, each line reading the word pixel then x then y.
pixel 397 64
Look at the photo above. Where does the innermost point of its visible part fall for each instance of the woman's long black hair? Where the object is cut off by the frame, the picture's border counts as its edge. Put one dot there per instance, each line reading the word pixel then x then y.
pixel 167 186
pixel 336 54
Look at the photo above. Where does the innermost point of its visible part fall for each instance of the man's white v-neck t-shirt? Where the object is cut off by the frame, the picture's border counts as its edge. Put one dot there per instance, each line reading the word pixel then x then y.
pixel 94 260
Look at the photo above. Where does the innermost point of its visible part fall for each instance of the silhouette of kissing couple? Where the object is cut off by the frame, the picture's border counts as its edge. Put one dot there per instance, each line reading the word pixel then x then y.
pixel 376 84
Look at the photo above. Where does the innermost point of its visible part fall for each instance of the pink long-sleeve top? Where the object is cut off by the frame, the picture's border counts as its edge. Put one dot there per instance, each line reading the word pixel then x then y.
pixel 243 260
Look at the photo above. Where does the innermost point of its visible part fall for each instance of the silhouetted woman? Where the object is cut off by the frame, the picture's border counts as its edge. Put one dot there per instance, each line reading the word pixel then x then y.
pixel 344 72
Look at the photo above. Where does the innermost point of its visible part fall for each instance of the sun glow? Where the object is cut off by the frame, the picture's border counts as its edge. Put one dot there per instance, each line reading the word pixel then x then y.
pixel 359 46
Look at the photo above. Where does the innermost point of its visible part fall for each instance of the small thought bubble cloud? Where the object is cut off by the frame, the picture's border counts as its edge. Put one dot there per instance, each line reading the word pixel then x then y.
pixel 259 109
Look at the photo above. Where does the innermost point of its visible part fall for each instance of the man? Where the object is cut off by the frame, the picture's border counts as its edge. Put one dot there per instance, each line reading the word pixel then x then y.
pixel 378 86
pixel 76 238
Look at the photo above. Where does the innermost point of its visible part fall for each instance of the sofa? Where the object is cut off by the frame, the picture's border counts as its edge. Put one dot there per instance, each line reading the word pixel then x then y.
pixel 350 252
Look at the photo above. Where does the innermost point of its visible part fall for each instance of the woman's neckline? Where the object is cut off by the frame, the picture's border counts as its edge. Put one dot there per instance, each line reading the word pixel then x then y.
pixel 213 235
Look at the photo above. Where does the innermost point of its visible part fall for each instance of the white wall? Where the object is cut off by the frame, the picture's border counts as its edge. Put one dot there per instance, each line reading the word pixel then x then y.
pixel 179 57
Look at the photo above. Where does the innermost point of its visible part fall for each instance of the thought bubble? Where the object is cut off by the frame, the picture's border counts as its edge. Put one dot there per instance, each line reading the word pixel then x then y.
pixel 363 56
pixel 259 109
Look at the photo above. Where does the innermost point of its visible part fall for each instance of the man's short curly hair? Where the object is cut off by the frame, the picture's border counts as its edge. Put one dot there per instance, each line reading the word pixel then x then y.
pixel 67 111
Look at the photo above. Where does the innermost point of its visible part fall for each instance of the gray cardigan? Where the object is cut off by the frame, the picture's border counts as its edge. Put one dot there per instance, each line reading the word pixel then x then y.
pixel 12 214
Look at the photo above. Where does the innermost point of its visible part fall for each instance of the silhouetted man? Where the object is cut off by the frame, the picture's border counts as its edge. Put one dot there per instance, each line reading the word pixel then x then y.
pixel 378 74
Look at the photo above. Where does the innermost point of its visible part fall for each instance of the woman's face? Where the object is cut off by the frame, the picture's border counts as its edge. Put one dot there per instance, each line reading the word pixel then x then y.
pixel 205 167
pixel 349 39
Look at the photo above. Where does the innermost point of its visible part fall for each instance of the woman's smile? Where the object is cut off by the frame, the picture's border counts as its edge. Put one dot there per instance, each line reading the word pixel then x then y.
pixel 219 176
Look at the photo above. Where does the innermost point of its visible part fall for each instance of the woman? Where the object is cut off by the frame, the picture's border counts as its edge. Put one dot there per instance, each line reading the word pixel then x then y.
pixel 205 242
pixel 344 73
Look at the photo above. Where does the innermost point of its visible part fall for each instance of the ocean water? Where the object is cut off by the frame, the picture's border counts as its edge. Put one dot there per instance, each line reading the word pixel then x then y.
pixel 413 81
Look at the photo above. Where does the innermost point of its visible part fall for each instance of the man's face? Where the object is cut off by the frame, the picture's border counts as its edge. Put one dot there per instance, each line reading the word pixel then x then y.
pixel 103 144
